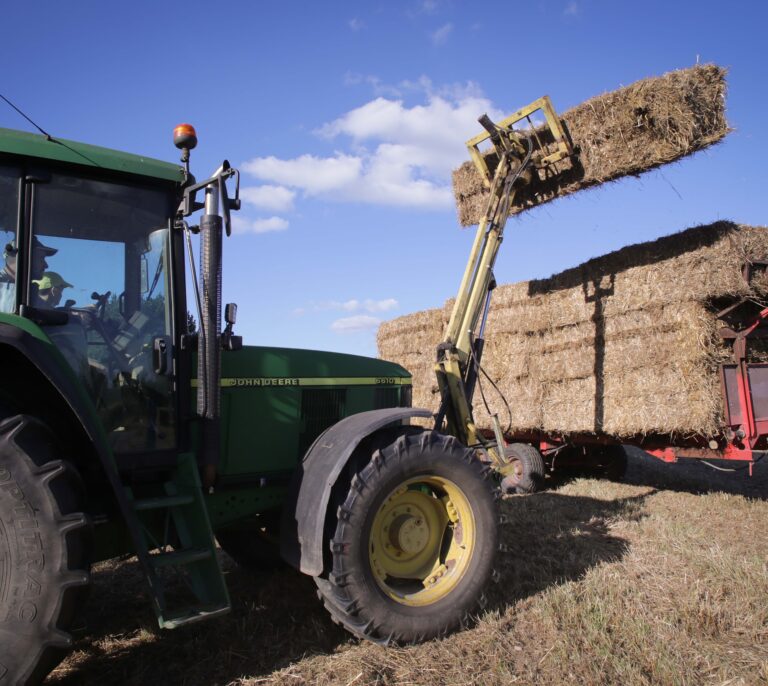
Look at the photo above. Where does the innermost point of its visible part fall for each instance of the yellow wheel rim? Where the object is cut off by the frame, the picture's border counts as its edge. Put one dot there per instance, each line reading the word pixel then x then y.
pixel 422 540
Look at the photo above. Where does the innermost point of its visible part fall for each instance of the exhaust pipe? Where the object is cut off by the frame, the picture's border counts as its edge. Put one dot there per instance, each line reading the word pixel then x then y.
pixel 208 293
pixel 209 348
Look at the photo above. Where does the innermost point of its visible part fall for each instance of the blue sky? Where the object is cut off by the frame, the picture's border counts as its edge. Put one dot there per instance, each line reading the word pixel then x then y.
pixel 346 118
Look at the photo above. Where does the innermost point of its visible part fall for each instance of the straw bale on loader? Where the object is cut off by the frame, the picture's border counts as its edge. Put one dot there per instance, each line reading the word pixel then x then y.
pixel 625 344
pixel 624 132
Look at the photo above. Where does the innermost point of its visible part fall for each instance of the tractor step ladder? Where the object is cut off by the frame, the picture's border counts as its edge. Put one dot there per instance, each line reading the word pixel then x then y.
pixel 186 546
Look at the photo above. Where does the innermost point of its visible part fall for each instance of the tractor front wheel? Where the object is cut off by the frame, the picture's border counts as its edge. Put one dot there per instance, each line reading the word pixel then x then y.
pixel 44 551
pixel 414 541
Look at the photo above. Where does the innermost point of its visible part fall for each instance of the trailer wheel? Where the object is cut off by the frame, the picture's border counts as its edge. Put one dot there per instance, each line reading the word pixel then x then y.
pixel 526 469
pixel 44 551
pixel 414 541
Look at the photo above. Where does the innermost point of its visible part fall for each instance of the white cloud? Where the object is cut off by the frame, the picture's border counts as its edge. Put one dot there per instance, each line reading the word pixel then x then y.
pixel 422 85
pixel 398 155
pixel 440 36
pixel 359 322
pixel 377 85
pixel 381 305
pixel 312 174
pixel 355 305
pixel 263 225
pixel 274 198
pixel 355 24
pixel 571 9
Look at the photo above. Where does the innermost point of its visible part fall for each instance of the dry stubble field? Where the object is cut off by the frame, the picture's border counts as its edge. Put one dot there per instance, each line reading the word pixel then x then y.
pixel 662 579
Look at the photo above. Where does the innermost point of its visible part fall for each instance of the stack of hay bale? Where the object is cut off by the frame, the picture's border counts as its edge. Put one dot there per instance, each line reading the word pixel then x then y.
pixel 625 344
pixel 624 132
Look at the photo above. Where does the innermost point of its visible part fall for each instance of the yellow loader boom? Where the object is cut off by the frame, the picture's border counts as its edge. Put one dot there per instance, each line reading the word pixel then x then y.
pixel 514 158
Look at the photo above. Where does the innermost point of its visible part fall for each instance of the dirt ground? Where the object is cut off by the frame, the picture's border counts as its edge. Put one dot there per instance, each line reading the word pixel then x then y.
pixel 661 579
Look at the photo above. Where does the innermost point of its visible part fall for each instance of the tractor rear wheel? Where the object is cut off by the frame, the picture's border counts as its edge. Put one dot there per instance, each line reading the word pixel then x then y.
pixel 414 541
pixel 526 469
pixel 44 551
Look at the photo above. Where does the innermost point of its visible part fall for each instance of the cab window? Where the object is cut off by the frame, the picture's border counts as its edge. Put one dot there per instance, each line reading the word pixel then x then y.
pixel 104 260
pixel 9 210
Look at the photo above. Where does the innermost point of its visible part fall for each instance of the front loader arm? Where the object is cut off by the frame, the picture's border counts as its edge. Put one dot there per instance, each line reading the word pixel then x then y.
pixel 460 350
pixel 520 156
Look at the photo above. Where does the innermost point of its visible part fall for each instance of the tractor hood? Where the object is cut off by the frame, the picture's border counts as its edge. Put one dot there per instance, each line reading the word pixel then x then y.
pixel 266 366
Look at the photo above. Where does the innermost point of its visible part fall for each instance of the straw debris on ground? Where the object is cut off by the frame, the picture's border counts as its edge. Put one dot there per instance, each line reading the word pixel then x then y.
pixel 623 132
pixel 627 584
pixel 625 344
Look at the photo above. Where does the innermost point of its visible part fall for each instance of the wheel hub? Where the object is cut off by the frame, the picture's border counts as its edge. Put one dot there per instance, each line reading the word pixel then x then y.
pixel 419 545
pixel 512 475
pixel 409 534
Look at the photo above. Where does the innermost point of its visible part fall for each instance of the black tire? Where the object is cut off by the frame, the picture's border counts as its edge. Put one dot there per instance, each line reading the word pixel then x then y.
pixel 528 470
pixel 45 543
pixel 611 462
pixel 256 550
pixel 435 470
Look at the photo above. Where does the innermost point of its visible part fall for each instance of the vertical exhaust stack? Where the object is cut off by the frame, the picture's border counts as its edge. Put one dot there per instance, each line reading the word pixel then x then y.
pixel 208 293
pixel 209 349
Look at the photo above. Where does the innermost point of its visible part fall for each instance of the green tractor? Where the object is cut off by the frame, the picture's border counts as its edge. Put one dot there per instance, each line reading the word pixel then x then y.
pixel 129 426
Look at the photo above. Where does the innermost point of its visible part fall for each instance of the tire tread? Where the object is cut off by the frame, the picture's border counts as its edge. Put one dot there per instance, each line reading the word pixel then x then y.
pixel 334 589
pixel 61 484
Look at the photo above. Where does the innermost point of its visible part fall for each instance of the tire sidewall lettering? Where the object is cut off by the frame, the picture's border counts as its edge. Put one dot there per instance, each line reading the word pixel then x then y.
pixel 25 547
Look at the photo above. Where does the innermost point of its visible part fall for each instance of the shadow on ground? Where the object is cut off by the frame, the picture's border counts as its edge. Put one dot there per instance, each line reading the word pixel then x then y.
pixel 685 476
pixel 549 538
pixel 275 619
pixel 695 476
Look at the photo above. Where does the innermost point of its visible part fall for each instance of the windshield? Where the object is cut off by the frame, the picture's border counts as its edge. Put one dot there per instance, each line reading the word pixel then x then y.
pixel 101 253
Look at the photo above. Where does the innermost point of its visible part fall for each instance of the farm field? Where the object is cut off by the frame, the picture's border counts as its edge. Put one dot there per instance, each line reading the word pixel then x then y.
pixel 661 579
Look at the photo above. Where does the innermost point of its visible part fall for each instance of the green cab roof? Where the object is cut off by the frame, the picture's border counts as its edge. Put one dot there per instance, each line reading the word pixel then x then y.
pixel 61 150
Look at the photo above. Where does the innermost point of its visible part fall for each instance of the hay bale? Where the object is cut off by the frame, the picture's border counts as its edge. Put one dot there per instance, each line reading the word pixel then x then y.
pixel 624 132
pixel 625 344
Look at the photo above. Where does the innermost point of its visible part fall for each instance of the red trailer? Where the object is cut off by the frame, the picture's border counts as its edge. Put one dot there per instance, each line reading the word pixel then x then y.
pixel 744 438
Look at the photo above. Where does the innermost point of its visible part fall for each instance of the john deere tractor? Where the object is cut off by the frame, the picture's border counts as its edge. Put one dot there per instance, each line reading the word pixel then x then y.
pixel 134 421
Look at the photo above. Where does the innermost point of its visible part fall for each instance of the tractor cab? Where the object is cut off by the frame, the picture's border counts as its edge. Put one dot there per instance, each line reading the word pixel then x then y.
pixel 88 256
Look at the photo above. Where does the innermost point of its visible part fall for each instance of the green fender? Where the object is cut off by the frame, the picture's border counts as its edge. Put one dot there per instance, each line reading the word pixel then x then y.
pixel 303 522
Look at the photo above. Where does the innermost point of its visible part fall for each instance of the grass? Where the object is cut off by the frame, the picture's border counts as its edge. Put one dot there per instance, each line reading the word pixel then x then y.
pixel 661 580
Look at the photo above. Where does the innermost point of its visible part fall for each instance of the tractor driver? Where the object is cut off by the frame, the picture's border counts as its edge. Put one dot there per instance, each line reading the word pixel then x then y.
pixel 50 289
pixel 8 273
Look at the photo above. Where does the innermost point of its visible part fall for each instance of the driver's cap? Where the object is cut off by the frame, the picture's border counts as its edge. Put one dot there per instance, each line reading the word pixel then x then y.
pixel 47 250
pixel 11 249
pixel 51 280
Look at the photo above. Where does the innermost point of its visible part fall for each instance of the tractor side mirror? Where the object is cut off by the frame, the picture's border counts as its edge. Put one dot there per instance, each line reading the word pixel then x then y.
pixel 230 314
pixel 228 339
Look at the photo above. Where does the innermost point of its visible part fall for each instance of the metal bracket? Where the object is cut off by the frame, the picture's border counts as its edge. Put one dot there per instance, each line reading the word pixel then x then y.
pixel 557 150
pixel 189 204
